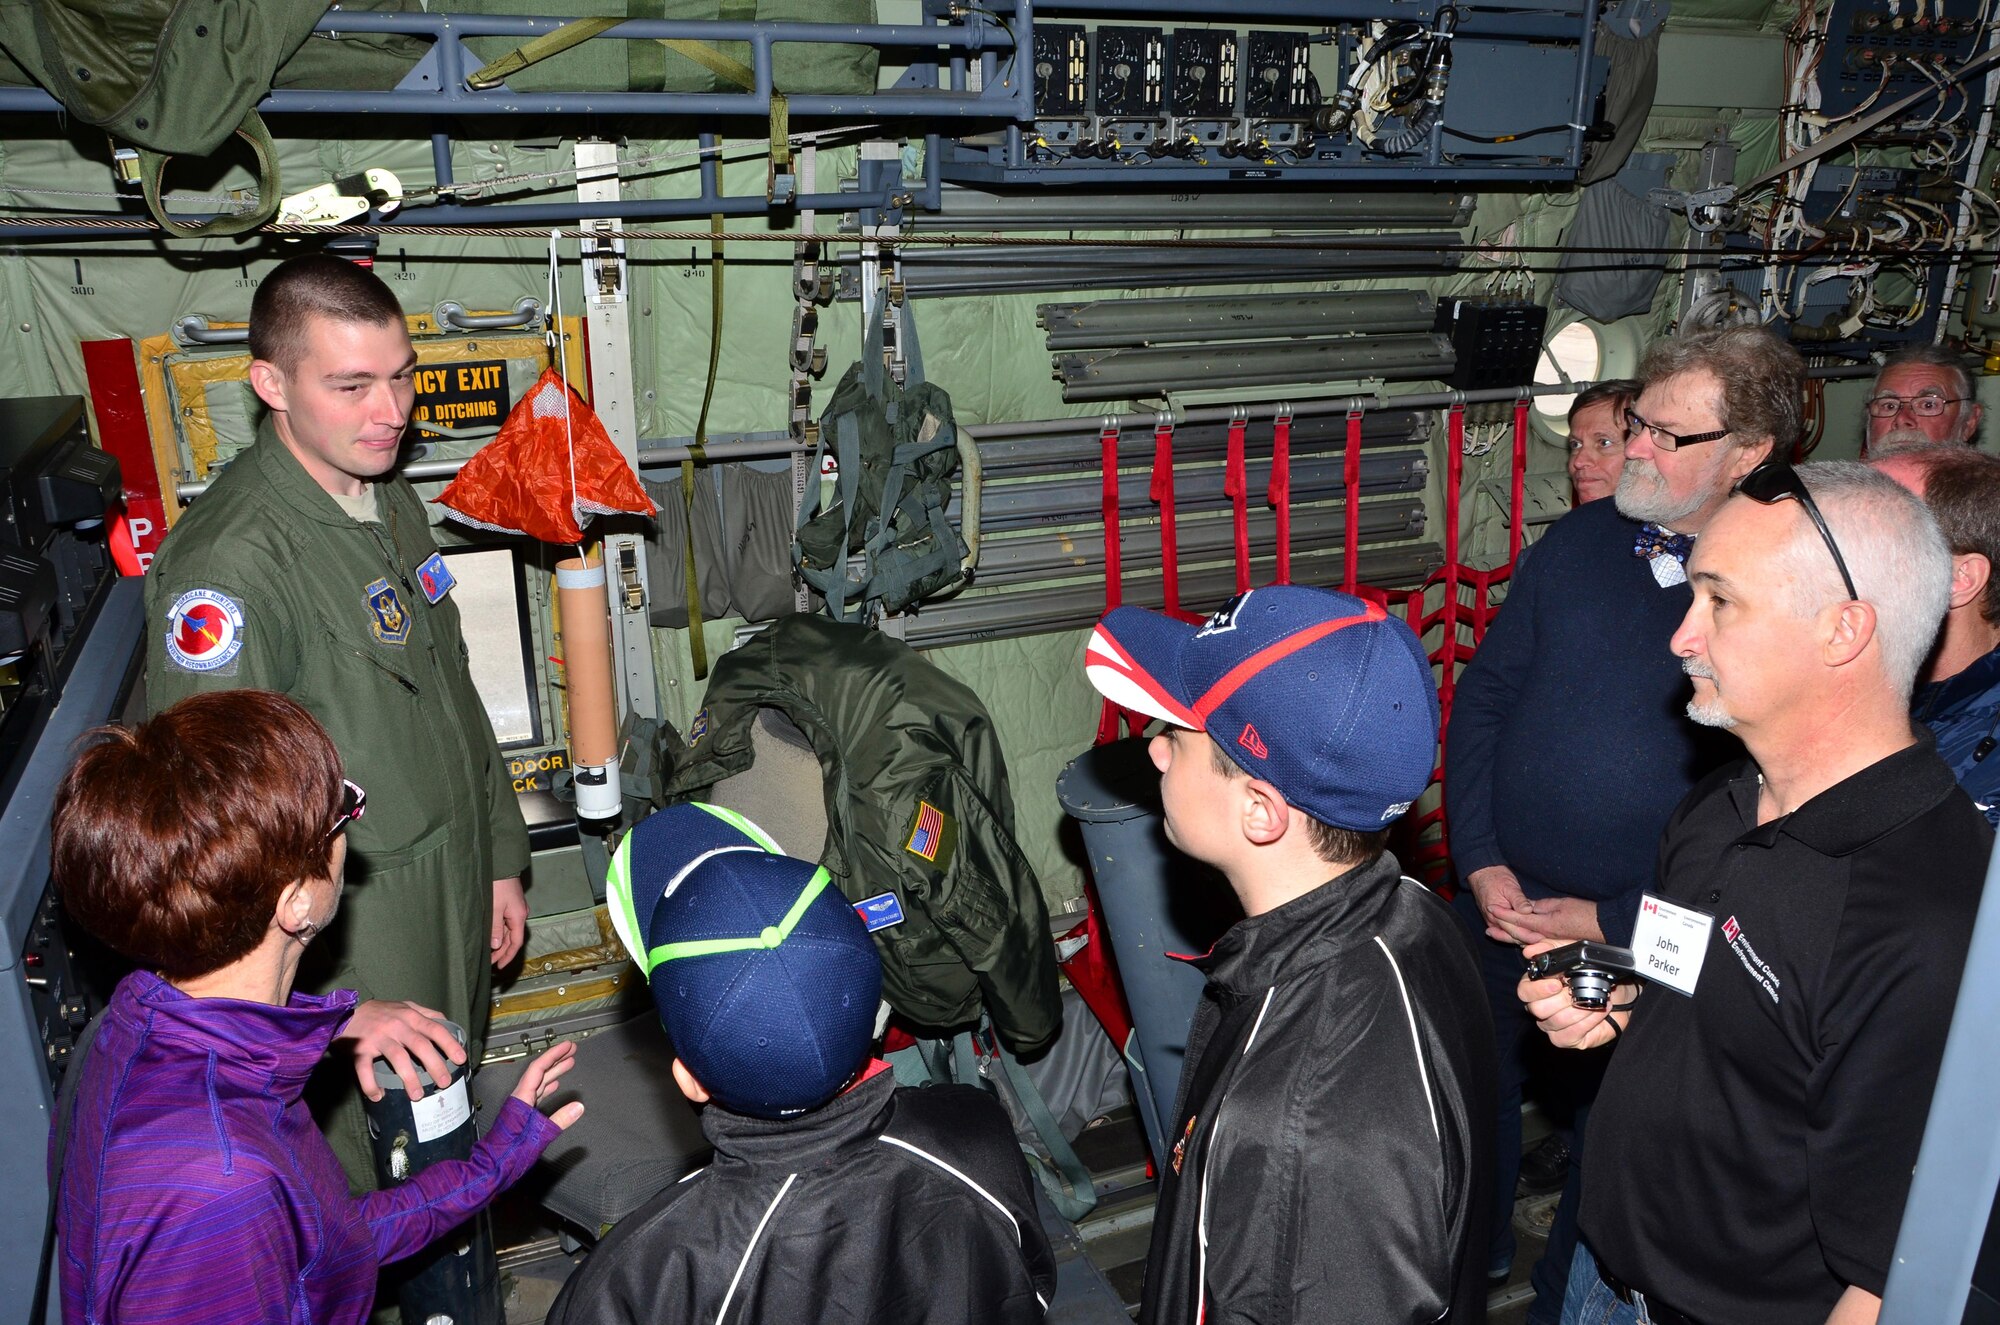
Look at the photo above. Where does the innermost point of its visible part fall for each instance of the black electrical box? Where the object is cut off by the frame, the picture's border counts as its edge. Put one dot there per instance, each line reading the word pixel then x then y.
pixel 1497 342
pixel 1280 83
pixel 51 477
pixel 1203 85
pixel 1129 72
pixel 1062 71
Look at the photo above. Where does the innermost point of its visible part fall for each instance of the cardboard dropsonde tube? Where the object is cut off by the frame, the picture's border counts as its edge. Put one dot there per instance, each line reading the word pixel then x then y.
pixel 593 706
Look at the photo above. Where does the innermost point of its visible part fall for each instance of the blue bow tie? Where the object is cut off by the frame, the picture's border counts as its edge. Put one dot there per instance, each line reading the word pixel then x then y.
pixel 1654 541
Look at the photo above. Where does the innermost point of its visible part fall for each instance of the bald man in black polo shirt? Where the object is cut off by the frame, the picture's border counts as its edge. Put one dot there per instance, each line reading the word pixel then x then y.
pixel 1752 1145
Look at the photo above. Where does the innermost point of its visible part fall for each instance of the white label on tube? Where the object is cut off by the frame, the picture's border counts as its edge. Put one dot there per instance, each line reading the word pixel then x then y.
pixel 441 1111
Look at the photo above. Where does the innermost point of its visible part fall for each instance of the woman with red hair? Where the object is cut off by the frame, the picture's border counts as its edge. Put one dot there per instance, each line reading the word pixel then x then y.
pixel 206 846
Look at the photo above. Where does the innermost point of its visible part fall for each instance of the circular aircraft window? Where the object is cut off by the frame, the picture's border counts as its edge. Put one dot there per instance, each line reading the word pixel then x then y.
pixel 1574 353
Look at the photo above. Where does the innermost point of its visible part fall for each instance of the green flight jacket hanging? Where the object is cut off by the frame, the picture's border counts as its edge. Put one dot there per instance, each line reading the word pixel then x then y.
pixel 266 582
pixel 916 805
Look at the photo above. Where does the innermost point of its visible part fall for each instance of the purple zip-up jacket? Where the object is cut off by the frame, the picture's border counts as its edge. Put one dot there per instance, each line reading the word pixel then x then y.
pixel 196 1186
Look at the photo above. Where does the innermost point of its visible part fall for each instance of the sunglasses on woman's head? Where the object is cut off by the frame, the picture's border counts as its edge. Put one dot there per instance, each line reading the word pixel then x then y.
pixel 353 804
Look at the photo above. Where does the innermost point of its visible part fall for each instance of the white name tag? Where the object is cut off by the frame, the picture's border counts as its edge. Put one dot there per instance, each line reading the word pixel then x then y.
pixel 1670 943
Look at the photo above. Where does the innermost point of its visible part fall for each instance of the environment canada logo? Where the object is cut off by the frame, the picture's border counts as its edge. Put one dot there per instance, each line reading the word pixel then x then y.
pixel 204 631
pixel 1760 970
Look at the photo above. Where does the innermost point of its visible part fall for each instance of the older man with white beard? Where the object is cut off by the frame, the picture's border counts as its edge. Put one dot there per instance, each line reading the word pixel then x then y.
pixel 1759 1120
pixel 1568 748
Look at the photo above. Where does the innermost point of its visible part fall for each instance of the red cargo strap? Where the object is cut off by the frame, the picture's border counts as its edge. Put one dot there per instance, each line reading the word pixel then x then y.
pixel 1520 493
pixel 1114 566
pixel 1281 488
pixel 1351 574
pixel 1110 717
pixel 1236 486
pixel 1162 491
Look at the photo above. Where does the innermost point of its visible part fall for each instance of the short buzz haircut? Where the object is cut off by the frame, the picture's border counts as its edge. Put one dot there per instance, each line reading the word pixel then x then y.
pixel 1618 392
pixel 1335 846
pixel 1762 378
pixel 1928 356
pixel 308 286
pixel 1894 550
pixel 1962 488
pixel 173 839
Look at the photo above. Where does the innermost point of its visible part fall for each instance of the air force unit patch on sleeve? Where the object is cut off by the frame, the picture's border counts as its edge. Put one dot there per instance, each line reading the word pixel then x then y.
pixel 204 631
pixel 387 616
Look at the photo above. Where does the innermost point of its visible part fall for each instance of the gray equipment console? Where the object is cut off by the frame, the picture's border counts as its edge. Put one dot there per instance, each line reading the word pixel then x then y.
pixel 69 654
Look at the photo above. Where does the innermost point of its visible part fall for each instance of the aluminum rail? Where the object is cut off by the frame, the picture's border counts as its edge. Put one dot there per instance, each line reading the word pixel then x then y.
pixel 1010 615
pixel 1026 268
pixel 1133 323
pixel 976 209
pixel 1262 412
pixel 745 448
pixel 527 311
pixel 1197 487
pixel 1130 374
pixel 1049 553
pixel 1042 446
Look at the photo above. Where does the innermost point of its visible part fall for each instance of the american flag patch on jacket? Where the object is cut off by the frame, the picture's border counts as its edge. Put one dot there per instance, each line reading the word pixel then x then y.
pixel 928 833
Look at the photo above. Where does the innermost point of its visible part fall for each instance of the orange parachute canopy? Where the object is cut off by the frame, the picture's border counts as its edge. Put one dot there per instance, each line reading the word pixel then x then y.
pixel 549 470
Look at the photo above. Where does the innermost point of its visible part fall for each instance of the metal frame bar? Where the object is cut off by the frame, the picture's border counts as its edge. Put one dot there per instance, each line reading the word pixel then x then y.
pixel 444 91
pixel 1958 1167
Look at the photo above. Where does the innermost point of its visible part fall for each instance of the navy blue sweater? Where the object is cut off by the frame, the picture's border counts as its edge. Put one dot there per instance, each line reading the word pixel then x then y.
pixel 1962 711
pixel 1569 743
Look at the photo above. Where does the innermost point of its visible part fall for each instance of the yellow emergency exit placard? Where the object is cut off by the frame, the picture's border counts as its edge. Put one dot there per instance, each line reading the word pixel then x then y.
pixel 453 394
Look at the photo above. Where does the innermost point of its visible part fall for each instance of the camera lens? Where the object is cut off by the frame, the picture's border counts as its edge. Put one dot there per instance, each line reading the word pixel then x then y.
pixel 1589 988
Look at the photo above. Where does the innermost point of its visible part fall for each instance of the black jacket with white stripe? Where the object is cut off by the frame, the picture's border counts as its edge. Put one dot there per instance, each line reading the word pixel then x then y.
pixel 884 1205
pixel 1333 1138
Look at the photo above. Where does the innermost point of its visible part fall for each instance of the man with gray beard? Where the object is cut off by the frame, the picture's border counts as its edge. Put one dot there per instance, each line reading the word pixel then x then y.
pixel 1923 396
pixel 1751 1148
pixel 1568 747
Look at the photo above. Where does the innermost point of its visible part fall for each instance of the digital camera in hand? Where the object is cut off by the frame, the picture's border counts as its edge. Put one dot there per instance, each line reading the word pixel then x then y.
pixel 1590 968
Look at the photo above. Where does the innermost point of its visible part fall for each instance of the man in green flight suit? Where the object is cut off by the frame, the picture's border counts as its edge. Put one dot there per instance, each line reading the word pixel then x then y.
pixel 308 568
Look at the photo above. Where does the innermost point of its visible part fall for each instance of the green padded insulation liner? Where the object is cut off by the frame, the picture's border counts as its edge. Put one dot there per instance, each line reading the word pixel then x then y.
pixel 614 64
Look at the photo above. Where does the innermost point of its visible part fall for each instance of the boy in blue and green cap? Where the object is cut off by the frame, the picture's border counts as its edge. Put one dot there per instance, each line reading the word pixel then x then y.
pixel 833 1194
pixel 1335 1102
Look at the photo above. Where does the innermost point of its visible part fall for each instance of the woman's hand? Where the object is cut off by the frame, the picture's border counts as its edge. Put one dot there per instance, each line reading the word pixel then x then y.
pixel 539 1082
pixel 404 1033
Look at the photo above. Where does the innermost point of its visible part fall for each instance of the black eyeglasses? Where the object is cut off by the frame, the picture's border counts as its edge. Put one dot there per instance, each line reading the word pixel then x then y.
pixel 1774 481
pixel 353 804
pixel 1924 407
pixel 1670 441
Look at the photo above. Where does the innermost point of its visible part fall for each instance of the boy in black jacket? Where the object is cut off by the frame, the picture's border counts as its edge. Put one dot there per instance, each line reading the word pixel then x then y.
pixel 1329 1154
pixel 833 1195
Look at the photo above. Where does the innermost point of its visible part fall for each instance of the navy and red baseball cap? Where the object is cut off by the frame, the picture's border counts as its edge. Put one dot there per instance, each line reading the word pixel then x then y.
pixel 1323 695
pixel 766 980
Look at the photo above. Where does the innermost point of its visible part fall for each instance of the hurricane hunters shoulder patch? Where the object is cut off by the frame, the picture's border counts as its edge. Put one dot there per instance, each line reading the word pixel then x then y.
pixel 205 632
pixel 932 835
